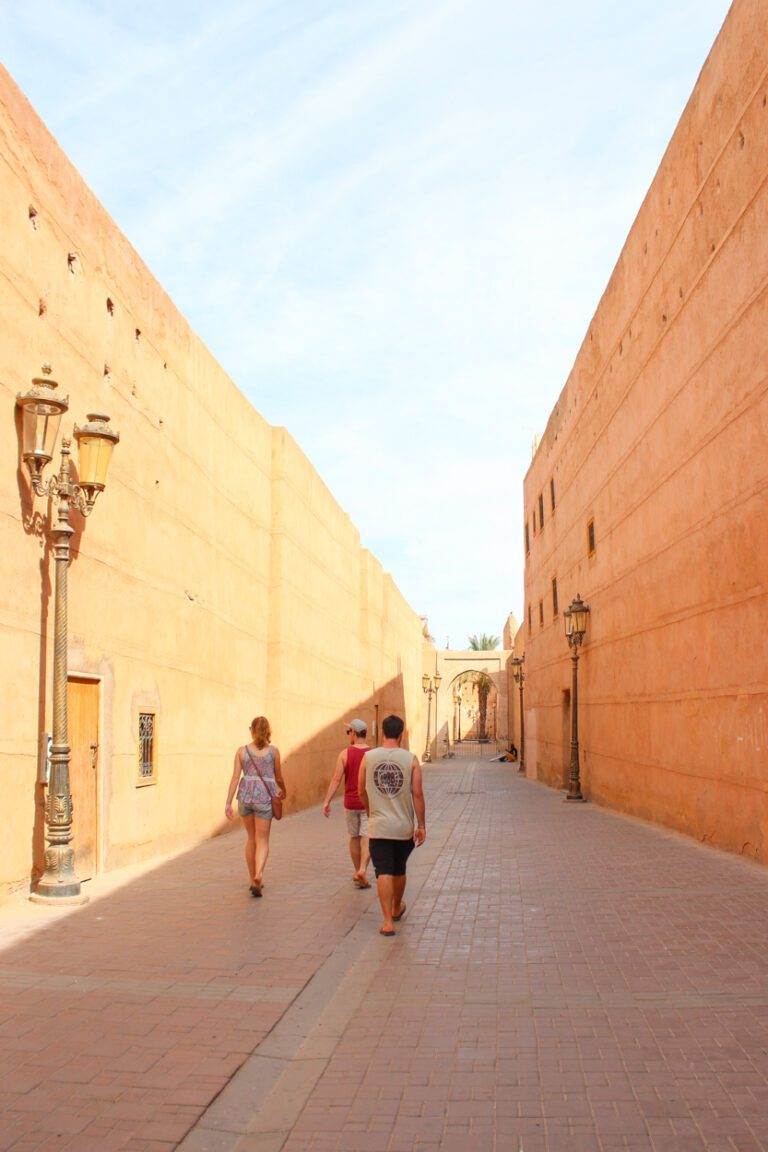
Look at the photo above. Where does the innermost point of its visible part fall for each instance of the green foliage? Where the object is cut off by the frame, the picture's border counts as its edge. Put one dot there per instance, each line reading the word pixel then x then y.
pixel 484 642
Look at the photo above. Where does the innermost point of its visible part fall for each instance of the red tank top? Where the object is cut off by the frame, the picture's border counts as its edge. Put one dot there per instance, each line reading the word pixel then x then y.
pixel 351 770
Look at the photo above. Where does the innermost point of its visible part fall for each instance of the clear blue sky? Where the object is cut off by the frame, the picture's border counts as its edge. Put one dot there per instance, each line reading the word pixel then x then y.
pixel 391 222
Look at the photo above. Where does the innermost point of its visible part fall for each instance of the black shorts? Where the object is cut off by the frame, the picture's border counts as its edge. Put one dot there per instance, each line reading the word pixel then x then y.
pixel 390 856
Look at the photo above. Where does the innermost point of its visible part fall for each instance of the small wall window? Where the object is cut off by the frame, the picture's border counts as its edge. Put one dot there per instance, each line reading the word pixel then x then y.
pixel 530 623
pixel 147 748
pixel 554 596
pixel 552 493
pixel 533 519
pixel 541 509
pixel 591 537
pixel 541 613
pixel 527 539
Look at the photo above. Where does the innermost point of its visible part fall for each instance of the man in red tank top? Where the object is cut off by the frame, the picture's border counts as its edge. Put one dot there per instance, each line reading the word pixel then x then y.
pixel 347 766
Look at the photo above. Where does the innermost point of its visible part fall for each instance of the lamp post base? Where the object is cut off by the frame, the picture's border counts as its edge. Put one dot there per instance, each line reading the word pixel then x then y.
pixel 578 799
pixel 54 901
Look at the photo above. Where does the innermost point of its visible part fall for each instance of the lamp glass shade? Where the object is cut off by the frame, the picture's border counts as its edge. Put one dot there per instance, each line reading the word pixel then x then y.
pixel 579 612
pixel 41 413
pixel 438 678
pixel 568 621
pixel 95 442
pixel 425 681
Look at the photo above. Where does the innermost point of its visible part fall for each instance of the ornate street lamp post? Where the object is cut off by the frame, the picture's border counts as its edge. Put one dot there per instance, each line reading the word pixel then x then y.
pixel 430 686
pixel 41 412
pixel 575 626
pixel 456 706
pixel 518 671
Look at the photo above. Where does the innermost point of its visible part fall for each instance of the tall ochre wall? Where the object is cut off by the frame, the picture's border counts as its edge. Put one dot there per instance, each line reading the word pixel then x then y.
pixel 217 577
pixel 661 436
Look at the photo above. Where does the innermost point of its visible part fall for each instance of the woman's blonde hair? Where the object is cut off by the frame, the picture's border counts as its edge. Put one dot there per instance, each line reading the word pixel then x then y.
pixel 261 731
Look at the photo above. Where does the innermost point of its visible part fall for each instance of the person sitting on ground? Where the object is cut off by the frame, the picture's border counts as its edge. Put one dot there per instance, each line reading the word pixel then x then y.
pixel 390 787
pixel 348 767
pixel 509 755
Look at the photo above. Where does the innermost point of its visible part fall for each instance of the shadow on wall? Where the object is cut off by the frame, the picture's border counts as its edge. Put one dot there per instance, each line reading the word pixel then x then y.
pixel 307 768
pixel 311 763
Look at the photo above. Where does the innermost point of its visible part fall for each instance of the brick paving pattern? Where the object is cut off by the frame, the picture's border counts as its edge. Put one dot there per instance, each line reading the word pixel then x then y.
pixel 566 979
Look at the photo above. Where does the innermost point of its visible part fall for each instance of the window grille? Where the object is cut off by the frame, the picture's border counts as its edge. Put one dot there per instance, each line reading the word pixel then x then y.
pixel 591 537
pixel 554 595
pixel 541 510
pixel 146 745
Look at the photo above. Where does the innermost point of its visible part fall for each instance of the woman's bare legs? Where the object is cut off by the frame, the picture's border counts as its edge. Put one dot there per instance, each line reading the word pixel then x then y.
pixel 261 828
pixel 250 845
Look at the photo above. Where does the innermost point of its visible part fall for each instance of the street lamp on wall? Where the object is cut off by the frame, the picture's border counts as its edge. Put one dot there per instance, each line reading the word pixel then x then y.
pixel 518 671
pixel 41 412
pixel 575 618
pixel 430 686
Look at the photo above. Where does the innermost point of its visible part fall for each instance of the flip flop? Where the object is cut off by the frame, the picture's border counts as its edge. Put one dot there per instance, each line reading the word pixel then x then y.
pixel 360 883
pixel 387 932
pixel 401 913
pixel 256 890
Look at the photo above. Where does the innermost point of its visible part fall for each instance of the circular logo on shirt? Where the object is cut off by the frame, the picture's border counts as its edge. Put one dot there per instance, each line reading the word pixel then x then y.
pixel 388 778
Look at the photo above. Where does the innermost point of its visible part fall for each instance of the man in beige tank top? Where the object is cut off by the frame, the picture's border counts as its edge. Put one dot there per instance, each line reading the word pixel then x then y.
pixel 390 787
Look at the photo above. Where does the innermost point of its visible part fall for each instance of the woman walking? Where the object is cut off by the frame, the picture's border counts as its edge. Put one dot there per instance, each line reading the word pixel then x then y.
pixel 258 779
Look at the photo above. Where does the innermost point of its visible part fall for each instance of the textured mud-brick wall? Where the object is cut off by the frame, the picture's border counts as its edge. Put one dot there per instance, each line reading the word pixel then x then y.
pixel 661 436
pixel 217 577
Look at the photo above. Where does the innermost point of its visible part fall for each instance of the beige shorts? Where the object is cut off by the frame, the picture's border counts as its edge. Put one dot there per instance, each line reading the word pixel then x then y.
pixel 357 821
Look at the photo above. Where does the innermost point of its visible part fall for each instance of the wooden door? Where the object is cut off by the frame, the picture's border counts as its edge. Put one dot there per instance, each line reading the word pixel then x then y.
pixel 83 715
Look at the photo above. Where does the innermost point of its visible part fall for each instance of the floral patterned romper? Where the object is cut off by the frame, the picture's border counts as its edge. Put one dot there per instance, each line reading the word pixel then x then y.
pixel 254 796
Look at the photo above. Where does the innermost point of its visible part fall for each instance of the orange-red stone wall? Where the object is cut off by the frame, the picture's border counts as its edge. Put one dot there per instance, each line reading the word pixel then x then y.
pixel 661 435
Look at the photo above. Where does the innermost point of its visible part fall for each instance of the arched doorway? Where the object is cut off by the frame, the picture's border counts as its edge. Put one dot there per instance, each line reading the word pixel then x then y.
pixel 474 699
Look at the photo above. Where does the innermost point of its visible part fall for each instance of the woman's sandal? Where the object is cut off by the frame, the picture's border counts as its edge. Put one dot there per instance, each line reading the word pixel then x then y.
pixel 358 883
pixel 255 889
pixel 387 932
pixel 401 913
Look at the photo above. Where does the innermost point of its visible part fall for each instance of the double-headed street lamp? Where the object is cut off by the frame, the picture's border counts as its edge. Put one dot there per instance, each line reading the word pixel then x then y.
pixel 41 412
pixel 430 685
pixel 575 626
pixel 518 671
pixel 457 714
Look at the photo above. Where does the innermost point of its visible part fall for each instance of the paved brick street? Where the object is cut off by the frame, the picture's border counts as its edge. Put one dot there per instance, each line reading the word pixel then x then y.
pixel 564 979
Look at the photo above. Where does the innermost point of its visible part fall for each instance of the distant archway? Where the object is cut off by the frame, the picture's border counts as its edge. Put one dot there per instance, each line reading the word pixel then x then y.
pixel 474 697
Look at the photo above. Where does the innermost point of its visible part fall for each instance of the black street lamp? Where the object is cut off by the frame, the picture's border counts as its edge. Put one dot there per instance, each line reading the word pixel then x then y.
pixel 575 617
pixel 41 413
pixel 430 686
pixel 518 671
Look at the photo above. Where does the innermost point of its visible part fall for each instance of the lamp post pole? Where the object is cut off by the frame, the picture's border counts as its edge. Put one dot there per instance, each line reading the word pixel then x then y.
pixel 59 880
pixel 518 671
pixel 42 412
pixel 575 627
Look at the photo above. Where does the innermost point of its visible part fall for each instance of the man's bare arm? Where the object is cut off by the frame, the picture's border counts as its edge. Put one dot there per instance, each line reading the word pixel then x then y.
pixel 361 787
pixel 335 781
pixel 419 803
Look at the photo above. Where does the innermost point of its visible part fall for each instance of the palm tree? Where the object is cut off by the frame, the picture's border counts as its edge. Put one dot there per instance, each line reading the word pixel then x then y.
pixel 483 683
pixel 483 642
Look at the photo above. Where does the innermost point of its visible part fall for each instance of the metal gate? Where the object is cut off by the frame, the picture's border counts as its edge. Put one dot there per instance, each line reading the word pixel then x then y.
pixel 477 749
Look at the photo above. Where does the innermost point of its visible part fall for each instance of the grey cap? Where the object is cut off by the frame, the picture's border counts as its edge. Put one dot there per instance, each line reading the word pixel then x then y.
pixel 357 726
